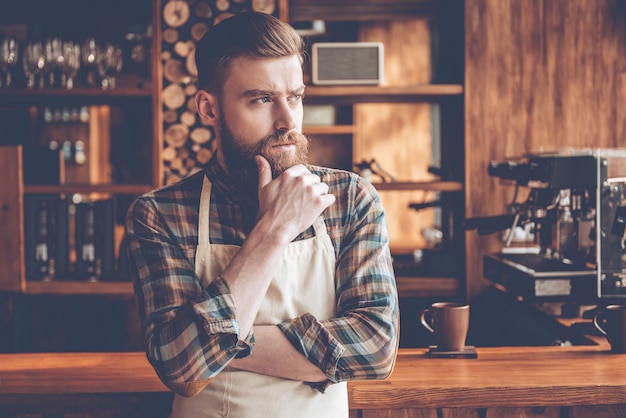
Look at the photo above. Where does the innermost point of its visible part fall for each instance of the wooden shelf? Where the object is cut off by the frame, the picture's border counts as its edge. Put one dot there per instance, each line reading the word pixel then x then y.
pixel 83 95
pixel 77 92
pixel 381 94
pixel 359 10
pixel 329 129
pixel 89 188
pixel 69 287
pixel 421 287
pixel 437 186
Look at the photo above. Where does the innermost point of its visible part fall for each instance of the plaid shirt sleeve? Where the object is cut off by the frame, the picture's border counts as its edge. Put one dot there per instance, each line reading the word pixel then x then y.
pixel 361 342
pixel 191 333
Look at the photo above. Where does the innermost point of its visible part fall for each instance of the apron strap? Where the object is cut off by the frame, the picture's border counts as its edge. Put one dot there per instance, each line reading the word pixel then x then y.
pixel 203 218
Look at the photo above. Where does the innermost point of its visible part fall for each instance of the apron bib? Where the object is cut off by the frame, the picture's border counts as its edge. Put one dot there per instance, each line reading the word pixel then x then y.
pixel 304 282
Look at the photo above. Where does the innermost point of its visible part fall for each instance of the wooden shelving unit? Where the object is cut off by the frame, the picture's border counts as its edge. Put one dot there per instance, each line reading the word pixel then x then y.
pixel 121 140
pixel 412 91
pixel 126 117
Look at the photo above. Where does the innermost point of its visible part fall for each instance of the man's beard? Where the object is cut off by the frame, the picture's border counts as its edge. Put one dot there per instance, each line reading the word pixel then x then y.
pixel 239 158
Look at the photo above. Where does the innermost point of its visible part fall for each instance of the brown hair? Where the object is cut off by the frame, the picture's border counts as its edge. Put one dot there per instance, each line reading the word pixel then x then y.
pixel 250 34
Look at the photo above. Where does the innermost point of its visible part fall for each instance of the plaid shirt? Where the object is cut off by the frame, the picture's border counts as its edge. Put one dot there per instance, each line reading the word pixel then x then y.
pixel 192 333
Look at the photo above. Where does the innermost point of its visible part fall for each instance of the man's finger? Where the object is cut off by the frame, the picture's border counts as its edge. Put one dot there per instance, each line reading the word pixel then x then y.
pixel 265 171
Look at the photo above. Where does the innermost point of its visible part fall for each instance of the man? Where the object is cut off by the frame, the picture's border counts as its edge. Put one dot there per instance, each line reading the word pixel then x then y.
pixel 263 283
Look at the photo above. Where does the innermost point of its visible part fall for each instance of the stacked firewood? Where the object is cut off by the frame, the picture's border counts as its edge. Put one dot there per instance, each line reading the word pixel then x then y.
pixel 188 144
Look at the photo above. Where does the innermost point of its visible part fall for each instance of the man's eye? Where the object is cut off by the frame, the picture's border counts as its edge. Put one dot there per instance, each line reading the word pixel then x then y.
pixel 264 99
pixel 297 98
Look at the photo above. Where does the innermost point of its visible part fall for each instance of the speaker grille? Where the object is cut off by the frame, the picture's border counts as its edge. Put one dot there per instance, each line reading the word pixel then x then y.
pixel 357 63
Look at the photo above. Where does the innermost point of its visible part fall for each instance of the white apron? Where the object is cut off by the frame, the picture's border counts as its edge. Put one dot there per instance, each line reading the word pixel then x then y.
pixel 304 282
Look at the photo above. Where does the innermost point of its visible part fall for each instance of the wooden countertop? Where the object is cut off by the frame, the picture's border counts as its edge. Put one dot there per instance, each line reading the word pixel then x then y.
pixel 77 373
pixel 504 376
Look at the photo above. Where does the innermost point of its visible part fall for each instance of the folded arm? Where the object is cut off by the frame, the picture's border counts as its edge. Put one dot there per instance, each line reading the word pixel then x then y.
pixel 191 333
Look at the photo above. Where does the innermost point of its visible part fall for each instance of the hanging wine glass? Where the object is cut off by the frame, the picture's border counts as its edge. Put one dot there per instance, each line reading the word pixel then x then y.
pixel 34 64
pixel 109 64
pixel 53 48
pixel 89 59
pixel 70 64
pixel 8 60
pixel 138 52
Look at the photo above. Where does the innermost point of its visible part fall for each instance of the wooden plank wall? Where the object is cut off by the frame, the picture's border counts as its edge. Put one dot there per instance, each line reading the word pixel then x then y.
pixel 539 75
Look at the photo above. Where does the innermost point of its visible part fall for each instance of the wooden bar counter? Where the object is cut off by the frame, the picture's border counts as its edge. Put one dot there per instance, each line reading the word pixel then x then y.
pixel 581 381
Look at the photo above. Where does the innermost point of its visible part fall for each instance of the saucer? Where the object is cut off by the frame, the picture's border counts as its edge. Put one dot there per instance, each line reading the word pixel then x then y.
pixel 468 351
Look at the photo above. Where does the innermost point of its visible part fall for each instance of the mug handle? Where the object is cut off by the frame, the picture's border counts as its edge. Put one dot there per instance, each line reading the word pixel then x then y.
pixel 427 323
pixel 598 320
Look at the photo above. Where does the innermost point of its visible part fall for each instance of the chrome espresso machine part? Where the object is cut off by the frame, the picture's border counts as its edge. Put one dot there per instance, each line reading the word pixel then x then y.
pixel 576 211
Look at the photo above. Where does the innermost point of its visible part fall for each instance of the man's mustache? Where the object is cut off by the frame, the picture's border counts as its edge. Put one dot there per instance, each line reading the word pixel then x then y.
pixel 284 138
pixel 278 138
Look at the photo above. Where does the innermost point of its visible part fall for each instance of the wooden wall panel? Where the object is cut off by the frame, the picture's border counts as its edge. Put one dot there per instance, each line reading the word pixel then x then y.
pixel 539 75
pixel 399 136
pixel 11 221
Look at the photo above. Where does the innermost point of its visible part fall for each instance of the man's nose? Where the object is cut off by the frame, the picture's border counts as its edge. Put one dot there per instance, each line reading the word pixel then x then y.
pixel 285 117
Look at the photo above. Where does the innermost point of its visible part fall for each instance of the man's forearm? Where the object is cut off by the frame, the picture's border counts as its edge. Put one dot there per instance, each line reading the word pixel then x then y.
pixel 274 355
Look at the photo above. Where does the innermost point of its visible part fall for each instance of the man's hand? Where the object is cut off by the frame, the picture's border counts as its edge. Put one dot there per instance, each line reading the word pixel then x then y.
pixel 293 200
pixel 288 205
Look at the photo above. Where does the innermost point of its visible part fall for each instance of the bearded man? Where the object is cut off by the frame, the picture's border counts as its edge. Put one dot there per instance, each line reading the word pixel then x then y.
pixel 264 284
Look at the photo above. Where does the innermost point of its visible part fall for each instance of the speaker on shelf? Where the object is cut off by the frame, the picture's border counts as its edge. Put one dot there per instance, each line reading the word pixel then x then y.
pixel 337 63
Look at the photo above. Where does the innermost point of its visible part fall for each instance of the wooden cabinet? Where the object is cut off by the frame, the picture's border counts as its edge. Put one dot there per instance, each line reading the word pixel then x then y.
pixel 412 121
pixel 74 147
pixel 411 125
pixel 82 143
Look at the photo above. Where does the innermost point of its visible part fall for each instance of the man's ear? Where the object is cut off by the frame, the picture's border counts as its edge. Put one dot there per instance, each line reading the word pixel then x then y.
pixel 206 103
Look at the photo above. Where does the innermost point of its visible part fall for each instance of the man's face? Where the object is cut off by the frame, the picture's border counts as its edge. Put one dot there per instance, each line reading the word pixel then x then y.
pixel 260 112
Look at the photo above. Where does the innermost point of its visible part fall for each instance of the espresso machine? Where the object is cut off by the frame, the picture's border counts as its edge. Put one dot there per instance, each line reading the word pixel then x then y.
pixel 575 212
